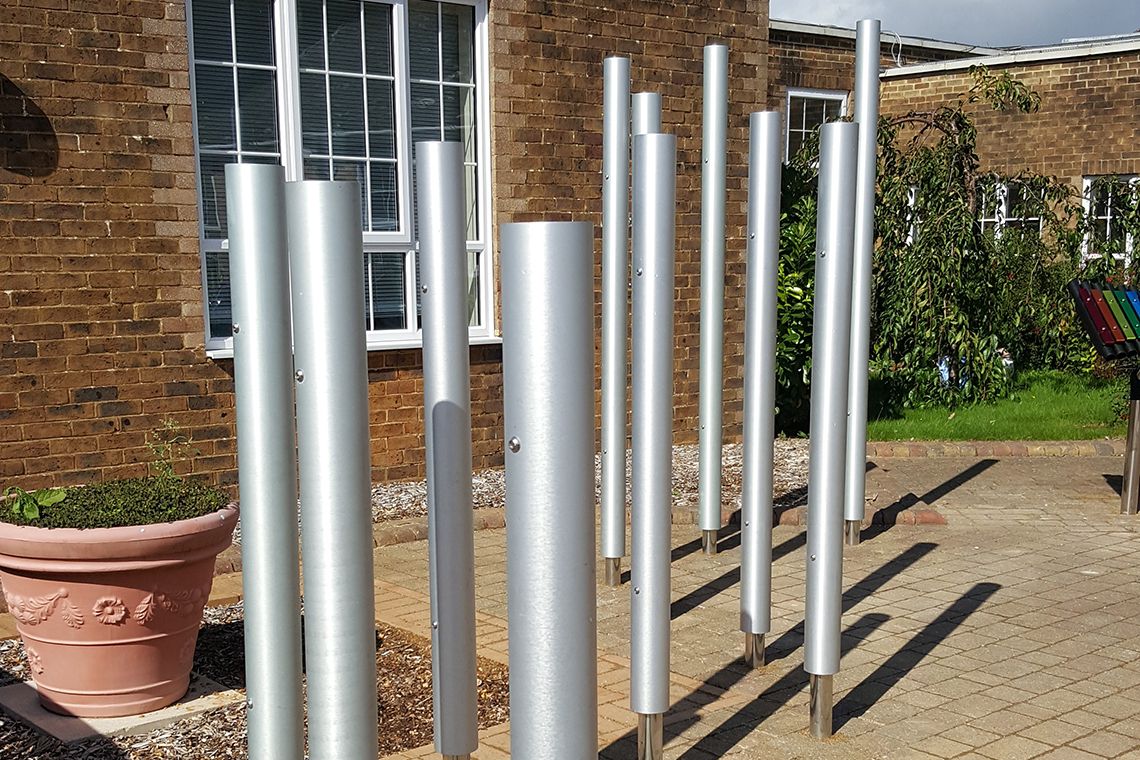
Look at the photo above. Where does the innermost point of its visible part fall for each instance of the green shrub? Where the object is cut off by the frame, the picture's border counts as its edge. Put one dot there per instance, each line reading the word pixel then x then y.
pixel 117 503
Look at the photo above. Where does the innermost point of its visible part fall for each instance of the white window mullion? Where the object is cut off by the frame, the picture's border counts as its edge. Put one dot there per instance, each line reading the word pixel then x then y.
pixel 288 88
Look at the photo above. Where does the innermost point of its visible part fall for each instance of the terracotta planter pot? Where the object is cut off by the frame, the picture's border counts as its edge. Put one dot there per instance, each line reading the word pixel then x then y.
pixel 110 616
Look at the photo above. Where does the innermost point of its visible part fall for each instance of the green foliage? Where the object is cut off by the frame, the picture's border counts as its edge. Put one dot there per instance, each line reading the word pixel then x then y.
pixel 162 497
pixel 27 504
pixel 954 301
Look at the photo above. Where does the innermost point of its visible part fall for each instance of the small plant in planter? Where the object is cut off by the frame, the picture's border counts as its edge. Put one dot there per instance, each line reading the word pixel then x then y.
pixel 107 582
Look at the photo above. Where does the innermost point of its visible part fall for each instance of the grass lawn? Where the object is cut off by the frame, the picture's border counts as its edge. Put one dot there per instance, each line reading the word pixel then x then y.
pixel 1046 406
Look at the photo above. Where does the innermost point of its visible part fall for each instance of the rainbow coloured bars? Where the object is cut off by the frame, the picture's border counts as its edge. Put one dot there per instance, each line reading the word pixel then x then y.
pixel 1110 315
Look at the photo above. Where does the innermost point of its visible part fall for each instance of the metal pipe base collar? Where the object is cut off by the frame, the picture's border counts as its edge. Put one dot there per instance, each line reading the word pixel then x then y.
pixel 851 532
pixel 455 757
pixel 708 541
pixel 650 736
pixel 613 570
pixel 821 703
pixel 754 650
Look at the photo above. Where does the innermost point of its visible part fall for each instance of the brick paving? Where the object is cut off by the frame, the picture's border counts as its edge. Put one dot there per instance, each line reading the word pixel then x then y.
pixel 1011 632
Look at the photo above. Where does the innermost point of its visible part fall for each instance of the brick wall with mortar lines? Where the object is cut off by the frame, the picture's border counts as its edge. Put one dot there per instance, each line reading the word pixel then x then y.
pixel 101 337
pixel 822 62
pixel 1088 122
pixel 99 277
pixel 547 116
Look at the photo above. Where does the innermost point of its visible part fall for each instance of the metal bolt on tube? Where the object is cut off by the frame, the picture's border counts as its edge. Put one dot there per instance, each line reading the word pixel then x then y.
pixel 327 267
pixel 831 340
pixel 548 392
pixel 615 305
pixel 867 117
pixel 646 118
pixel 764 169
pixel 654 214
pixel 267 477
pixel 447 442
pixel 713 149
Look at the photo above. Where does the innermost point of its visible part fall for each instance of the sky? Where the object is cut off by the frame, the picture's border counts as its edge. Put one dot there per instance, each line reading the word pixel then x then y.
pixel 994 23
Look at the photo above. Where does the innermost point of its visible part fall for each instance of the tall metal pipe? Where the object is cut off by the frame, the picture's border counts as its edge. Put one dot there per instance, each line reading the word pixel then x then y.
pixel 615 306
pixel 867 38
pixel 548 392
pixel 764 167
pixel 447 443
pixel 654 212
pixel 831 338
pixel 646 113
pixel 327 268
pixel 267 477
pixel 713 151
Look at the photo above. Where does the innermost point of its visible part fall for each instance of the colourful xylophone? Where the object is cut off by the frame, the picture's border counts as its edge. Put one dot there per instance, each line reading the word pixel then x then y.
pixel 1111 316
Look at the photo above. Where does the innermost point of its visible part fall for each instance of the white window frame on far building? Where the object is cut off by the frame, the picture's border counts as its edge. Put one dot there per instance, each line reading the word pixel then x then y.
pixel 839 97
pixel 1089 248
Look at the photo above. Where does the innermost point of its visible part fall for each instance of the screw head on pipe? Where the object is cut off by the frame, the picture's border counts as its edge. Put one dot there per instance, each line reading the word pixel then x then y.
pixel 514 445
pixel 300 375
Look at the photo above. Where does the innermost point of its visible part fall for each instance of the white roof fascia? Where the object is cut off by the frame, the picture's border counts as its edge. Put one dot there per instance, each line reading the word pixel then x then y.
pixel 1029 55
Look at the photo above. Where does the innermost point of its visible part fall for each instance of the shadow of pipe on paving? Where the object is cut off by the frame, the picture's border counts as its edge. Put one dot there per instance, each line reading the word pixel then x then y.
pixel 1115 482
pixel 888 516
pixel 875 686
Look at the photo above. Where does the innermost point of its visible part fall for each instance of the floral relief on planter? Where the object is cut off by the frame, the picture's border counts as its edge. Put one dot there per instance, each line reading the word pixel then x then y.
pixel 37 609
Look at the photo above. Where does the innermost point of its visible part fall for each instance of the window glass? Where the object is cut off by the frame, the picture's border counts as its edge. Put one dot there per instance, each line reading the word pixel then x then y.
pixel 808 112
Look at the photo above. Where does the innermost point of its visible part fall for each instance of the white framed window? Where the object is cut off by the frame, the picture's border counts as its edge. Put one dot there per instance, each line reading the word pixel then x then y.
pixel 807 111
pixel 1103 197
pixel 343 89
pixel 1010 205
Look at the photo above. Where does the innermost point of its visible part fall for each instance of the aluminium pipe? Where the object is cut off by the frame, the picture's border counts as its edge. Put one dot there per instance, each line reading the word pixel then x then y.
pixel 654 214
pixel 831 339
pixel 615 307
pixel 867 117
pixel 714 135
pixel 1130 486
pixel 548 416
pixel 267 477
pixel 327 267
pixel 646 119
pixel 447 443
pixel 764 169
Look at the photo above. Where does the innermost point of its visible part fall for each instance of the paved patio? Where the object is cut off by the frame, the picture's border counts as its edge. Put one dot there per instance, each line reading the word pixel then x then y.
pixel 1011 633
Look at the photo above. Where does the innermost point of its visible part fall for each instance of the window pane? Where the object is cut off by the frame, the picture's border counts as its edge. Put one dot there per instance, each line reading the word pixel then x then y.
pixel 381 119
pixel 354 170
pixel 253 24
pixel 346 96
pixel 796 115
pixel 813 113
pixel 310 34
pixel 457 26
pixel 473 264
pixel 218 294
pixel 316 168
pixel 257 99
pixel 314 117
pixel 387 282
pixel 378 38
pixel 342 18
pixel 211 20
pixel 214 90
pixel 472 196
pixel 385 196
pixel 423 39
pixel 458 117
pixel 425 113
pixel 212 169
pixel 795 142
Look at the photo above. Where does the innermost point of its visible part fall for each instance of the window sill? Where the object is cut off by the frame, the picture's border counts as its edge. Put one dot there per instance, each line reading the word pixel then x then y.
pixel 215 354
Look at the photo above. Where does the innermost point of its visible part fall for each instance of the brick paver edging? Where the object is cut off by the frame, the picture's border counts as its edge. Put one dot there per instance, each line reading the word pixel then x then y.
pixel 1105 447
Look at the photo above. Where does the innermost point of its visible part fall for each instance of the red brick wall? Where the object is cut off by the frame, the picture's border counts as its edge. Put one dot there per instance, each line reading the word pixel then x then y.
pixel 1087 123
pixel 547 117
pixel 822 62
pixel 100 285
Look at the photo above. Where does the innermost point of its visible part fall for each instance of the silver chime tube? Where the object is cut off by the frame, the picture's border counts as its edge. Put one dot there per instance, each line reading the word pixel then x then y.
pixel 831 339
pixel 447 443
pixel 548 415
pixel 327 268
pixel 615 307
pixel 267 476
pixel 713 151
pixel 654 212
pixel 764 167
pixel 867 117
pixel 646 113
